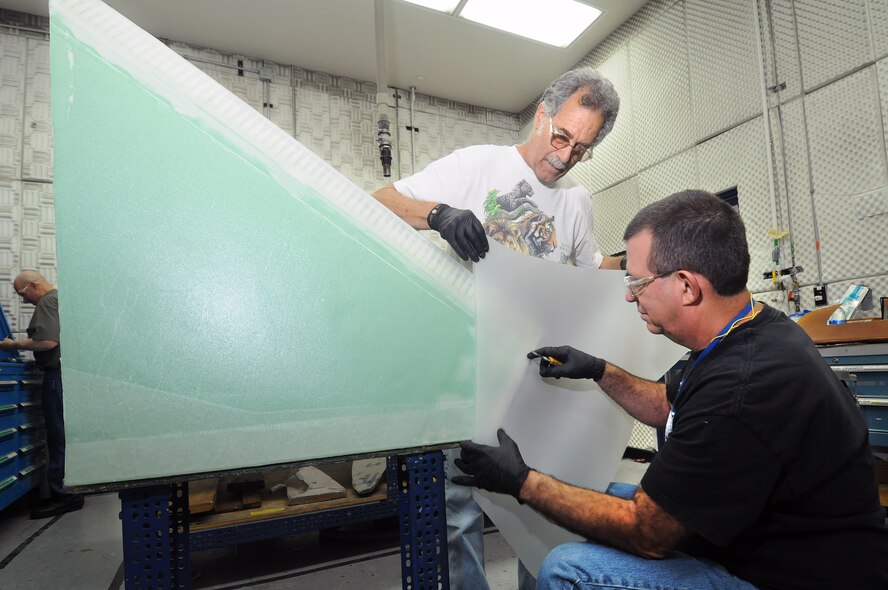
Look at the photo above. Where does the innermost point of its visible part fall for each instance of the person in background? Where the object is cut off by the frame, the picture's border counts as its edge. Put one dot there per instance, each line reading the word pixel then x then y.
pixel 521 197
pixel 43 340
pixel 766 477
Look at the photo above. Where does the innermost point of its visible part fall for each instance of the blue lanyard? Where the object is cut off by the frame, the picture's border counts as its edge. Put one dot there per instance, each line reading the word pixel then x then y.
pixel 712 344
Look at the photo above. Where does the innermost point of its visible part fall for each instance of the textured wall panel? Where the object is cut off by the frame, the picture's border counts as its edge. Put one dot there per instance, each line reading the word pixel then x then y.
pixel 661 88
pixel 37 143
pixel 38 229
pixel 612 210
pixel 10 221
pixel 738 158
pixel 780 47
pixel 678 173
pixel 614 158
pixel 13 50
pixel 847 141
pixel 796 210
pixel 848 155
pixel 834 38
pixel 427 144
pixel 878 17
pixel 724 64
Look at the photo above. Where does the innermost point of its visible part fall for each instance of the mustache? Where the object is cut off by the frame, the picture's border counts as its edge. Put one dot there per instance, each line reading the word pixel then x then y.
pixel 558 164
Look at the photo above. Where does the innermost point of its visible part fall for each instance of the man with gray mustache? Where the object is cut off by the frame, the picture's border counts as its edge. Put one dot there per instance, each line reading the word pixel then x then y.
pixel 519 196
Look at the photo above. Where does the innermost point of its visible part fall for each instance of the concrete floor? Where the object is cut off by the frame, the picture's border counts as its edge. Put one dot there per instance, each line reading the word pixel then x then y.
pixel 83 551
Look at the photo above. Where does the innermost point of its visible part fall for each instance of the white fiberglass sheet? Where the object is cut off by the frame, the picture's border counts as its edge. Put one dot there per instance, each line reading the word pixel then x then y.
pixel 566 428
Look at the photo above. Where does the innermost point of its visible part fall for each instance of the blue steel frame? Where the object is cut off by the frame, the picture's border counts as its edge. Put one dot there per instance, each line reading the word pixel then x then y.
pixel 157 542
pixel 423 523
pixel 155 537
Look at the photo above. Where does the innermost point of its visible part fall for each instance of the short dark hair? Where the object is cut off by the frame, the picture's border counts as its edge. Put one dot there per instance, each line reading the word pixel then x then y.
pixel 695 230
pixel 598 95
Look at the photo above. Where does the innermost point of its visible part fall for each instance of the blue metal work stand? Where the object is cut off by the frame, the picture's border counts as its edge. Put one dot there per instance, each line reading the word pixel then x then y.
pixel 157 543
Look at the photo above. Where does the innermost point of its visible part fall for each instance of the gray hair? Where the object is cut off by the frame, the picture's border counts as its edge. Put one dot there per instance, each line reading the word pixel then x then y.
pixel 599 95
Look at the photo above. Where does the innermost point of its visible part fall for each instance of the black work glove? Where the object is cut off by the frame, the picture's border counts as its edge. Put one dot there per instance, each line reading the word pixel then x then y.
pixel 495 469
pixel 461 229
pixel 574 364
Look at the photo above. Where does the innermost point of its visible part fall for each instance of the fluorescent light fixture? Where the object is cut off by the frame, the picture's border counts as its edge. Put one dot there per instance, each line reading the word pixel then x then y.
pixel 447 6
pixel 554 22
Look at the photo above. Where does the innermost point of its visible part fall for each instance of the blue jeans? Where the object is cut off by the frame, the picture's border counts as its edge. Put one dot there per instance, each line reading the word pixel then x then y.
pixel 54 421
pixel 465 526
pixel 586 566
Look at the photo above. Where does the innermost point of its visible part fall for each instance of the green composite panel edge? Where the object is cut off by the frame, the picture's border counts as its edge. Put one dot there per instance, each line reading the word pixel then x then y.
pixel 227 299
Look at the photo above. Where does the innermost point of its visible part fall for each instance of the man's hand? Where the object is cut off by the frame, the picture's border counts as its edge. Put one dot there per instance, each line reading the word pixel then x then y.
pixel 461 229
pixel 570 363
pixel 495 469
pixel 7 344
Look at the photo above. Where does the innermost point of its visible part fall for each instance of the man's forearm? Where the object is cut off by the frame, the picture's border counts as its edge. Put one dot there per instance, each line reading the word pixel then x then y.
pixel 414 212
pixel 637 525
pixel 611 263
pixel 34 345
pixel 644 400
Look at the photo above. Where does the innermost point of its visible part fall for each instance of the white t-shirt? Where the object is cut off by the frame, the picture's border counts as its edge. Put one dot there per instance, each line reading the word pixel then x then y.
pixel 496 184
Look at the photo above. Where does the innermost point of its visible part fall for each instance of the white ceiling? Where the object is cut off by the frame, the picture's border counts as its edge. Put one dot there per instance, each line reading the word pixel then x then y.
pixel 441 55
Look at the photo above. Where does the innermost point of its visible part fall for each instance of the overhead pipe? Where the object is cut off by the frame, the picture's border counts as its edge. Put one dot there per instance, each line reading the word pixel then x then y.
pixel 383 131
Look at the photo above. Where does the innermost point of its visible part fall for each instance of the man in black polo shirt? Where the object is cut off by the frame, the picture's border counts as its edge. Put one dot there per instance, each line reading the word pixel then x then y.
pixel 766 477
pixel 43 340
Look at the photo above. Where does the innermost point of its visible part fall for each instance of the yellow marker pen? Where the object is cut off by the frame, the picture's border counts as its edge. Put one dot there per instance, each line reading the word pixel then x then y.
pixel 551 360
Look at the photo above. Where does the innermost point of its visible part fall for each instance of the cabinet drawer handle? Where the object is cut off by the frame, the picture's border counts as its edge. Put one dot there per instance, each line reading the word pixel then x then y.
pixel 8 482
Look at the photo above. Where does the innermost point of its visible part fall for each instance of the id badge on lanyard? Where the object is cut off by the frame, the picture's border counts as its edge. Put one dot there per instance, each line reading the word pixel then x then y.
pixel 712 344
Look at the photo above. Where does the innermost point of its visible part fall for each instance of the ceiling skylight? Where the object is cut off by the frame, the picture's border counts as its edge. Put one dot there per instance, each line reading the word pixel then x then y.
pixel 440 5
pixel 554 22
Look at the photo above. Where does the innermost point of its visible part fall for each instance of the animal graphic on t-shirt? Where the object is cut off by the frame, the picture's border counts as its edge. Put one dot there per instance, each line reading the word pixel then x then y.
pixel 508 233
pixel 538 230
pixel 516 221
pixel 517 201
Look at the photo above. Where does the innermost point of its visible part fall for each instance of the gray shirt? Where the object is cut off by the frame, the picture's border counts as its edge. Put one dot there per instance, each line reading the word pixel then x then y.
pixel 45 326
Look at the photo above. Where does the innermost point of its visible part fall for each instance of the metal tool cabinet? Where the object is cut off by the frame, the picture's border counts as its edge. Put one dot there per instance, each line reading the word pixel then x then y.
pixel 22 436
pixel 864 368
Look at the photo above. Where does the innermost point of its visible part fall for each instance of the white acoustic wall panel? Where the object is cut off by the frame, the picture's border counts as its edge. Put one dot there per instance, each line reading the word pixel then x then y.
pixel 678 173
pixel 614 159
pixel 724 64
pixel 10 221
pixel 797 207
pixel 738 158
pixel 13 57
pixel 882 77
pixel 38 250
pixel 848 156
pixel 834 38
pixel 280 93
pixel 847 135
pixel 780 48
pixel 878 18
pixel 661 93
pixel 612 210
pixel 37 140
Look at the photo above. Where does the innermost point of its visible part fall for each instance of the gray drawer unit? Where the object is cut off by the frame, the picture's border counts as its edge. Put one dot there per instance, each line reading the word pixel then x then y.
pixel 864 368
pixel 22 436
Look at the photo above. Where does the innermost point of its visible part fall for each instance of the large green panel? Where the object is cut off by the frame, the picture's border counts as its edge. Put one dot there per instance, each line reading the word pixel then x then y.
pixel 217 312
